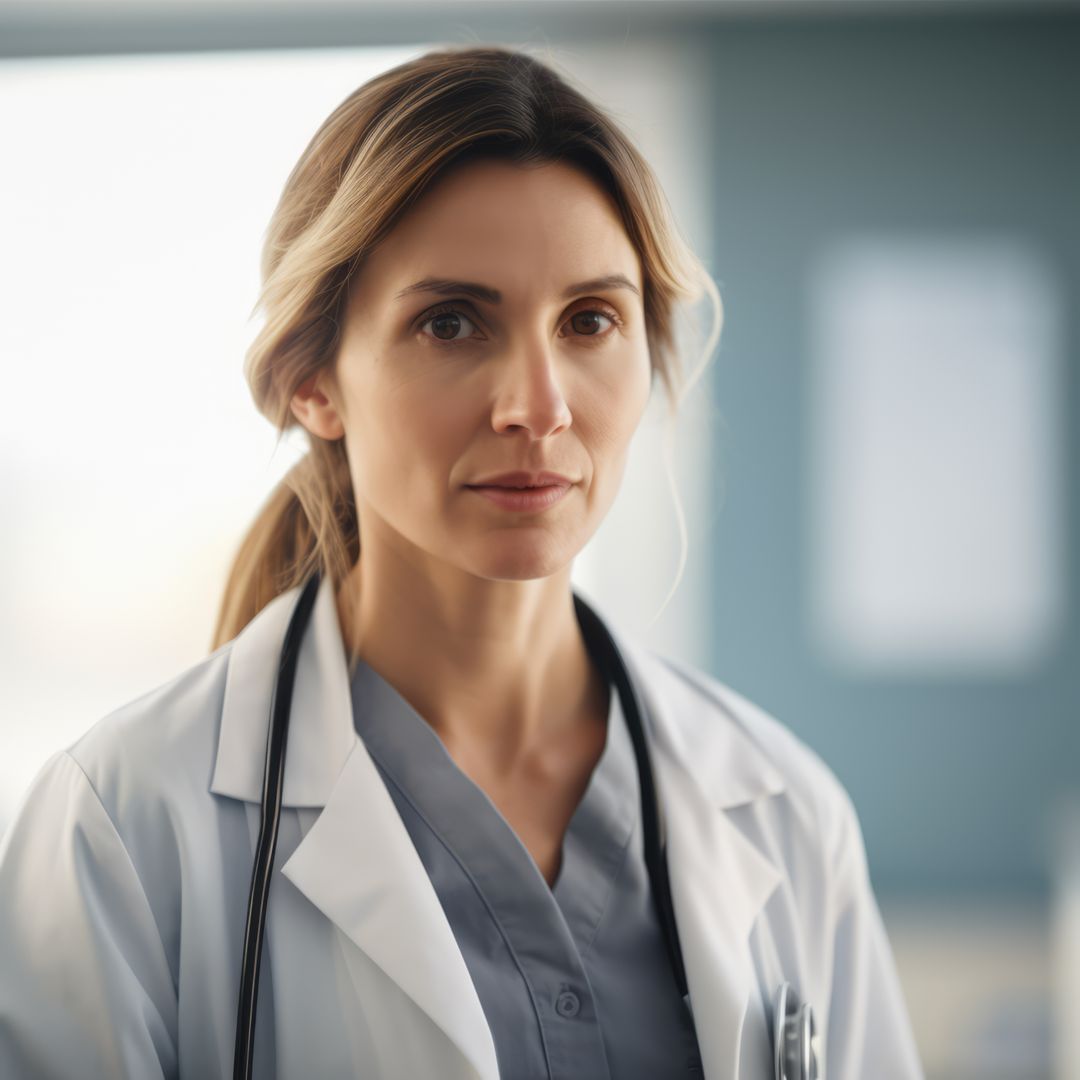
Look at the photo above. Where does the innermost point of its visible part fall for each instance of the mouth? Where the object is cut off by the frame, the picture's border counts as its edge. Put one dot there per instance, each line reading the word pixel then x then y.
pixel 524 498
pixel 521 479
pixel 518 487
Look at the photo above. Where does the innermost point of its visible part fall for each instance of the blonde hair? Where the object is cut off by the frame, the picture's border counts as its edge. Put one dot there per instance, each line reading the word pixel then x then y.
pixel 372 157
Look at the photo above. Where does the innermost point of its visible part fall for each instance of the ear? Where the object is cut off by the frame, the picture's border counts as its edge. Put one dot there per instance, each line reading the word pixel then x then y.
pixel 314 409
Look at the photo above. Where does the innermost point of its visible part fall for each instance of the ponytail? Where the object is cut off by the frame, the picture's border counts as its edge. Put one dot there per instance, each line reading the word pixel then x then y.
pixel 309 522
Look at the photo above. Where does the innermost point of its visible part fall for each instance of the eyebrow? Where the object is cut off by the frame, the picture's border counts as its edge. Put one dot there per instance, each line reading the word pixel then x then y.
pixel 444 287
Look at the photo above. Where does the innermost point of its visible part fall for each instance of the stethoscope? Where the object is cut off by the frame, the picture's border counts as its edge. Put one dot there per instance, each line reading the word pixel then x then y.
pixel 793 1022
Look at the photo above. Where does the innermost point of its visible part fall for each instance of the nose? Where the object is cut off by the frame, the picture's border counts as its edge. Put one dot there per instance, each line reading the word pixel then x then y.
pixel 529 395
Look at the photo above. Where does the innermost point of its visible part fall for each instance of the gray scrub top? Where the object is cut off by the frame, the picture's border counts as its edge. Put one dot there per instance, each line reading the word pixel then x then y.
pixel 574 980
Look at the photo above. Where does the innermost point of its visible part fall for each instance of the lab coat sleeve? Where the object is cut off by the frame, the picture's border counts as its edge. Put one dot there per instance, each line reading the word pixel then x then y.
pixel 869 1032
pixel 85 985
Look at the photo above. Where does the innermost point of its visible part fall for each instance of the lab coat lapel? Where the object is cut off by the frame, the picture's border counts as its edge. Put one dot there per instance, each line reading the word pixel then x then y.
pixel 706 765
pixel 356 863
pixel 358 866
pixel 321 732
pixel 719 884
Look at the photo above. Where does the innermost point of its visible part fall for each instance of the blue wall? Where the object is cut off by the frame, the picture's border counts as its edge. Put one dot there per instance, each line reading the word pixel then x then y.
pixel 823 126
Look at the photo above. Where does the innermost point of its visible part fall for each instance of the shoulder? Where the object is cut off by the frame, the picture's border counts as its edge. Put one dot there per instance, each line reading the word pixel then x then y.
pixel 101 848
pixel 808 792
pixel 158 746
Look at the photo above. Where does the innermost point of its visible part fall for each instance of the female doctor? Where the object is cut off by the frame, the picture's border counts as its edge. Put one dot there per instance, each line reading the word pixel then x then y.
pixel 470 283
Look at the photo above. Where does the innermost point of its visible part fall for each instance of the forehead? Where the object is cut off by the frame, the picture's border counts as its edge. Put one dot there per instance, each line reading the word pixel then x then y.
pixel 519 228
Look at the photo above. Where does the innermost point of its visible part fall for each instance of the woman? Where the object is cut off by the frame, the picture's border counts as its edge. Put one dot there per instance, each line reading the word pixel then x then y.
pixel 470 288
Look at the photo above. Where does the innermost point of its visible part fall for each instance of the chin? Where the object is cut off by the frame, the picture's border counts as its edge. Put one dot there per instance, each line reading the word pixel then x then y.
pixel 517 559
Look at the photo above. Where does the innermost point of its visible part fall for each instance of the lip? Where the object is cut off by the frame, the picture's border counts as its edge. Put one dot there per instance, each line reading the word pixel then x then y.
pixel 523 499
pixel 523 480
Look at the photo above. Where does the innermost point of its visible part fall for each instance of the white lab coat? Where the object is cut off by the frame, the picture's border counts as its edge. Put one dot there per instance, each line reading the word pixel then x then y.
pixel 124 883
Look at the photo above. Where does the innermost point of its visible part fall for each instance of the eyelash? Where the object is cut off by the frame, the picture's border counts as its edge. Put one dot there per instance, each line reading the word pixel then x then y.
pixel 452 307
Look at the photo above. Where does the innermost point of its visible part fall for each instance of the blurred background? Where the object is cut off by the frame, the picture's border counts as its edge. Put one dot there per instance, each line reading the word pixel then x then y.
pixel 879 470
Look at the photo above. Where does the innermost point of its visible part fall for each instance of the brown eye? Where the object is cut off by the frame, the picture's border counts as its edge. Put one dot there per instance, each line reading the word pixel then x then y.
pixel 586 322
pixel 447 324
pixel 447 327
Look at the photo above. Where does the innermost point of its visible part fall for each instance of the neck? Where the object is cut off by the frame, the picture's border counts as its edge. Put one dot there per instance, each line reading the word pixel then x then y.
pixel 498 668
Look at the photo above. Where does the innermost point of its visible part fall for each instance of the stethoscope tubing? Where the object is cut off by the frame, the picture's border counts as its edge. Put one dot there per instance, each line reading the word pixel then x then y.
pixel 654 828
pixel 273 783
pixel 604 651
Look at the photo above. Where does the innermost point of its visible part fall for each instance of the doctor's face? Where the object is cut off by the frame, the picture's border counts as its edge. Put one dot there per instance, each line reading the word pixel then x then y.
pixel 498 328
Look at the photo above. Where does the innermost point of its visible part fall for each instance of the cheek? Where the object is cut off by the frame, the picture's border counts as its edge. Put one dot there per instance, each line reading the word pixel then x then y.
pixel 416 432
pixel 616 406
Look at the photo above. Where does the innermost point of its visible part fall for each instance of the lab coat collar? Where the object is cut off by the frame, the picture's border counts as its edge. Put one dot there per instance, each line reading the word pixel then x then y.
pixel 728 765
pixel 321 732
pixel 358 865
